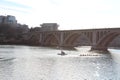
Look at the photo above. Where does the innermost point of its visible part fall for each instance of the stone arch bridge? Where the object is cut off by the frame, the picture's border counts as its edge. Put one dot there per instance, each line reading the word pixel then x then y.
pixel 99 39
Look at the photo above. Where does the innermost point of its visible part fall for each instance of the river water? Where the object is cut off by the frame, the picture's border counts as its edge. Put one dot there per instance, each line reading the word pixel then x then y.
pixel 40 63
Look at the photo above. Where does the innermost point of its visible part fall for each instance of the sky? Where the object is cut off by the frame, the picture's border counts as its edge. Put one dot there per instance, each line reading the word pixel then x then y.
pixel 69 14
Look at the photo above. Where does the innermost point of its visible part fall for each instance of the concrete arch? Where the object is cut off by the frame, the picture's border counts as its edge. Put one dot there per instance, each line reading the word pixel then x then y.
pixel 105 41
pixel 51 40
pixel 73 38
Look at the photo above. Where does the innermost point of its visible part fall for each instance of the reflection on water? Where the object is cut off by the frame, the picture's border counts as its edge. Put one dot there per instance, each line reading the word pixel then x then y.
pixel 39 63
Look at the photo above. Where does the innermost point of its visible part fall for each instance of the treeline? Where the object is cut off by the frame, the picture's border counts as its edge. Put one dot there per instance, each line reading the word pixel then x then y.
pixel 12 33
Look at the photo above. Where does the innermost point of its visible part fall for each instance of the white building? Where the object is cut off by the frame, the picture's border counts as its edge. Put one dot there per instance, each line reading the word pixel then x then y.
pixel 49 26
pixel 11 19
pixel 8 19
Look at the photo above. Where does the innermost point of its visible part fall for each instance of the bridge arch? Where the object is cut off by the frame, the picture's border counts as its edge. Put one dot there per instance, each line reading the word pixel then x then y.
pixel 75 39
pixel 51 40
pixel 108 38
pixel 104 42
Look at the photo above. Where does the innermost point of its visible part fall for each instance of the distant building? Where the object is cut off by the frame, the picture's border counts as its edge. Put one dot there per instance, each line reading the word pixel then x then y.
pixel 8 19
pixel 2 19
pixel 49 26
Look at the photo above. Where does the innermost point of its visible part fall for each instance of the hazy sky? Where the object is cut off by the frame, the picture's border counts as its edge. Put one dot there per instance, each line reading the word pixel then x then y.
pixel 69 14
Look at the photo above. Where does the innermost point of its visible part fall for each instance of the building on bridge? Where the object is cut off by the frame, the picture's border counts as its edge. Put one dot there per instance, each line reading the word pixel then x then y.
pixel 49 27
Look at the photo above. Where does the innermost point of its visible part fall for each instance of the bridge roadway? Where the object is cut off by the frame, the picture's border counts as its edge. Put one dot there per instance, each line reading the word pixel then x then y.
pixel 99 39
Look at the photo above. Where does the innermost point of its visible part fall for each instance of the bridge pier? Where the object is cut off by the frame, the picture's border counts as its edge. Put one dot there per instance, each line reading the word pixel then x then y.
pixel 99 48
